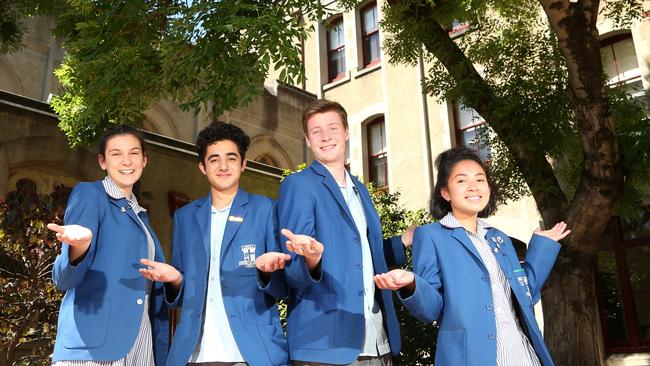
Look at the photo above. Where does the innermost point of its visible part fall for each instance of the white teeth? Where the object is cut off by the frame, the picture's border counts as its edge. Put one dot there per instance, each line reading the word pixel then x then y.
pixel 128 171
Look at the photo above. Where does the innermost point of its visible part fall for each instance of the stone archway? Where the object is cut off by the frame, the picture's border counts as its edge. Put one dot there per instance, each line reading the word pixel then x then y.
pixel 265 149
pixel 9 80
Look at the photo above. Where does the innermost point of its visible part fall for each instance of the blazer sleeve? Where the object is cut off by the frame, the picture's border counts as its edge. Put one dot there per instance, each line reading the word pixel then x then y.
pixel 276 285
pixel 172 298
pixel 394 251
pixel 296 205
pixel 427 302
pixel 540 258
pixel 82 209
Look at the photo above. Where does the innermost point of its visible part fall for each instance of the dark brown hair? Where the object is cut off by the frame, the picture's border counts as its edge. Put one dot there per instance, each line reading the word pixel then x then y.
pixel 116 130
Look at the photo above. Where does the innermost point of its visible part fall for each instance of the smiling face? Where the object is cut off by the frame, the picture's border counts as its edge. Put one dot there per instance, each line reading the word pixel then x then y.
pixel 326 137
pixel 223 166
pixel 123 160
pixel 467 189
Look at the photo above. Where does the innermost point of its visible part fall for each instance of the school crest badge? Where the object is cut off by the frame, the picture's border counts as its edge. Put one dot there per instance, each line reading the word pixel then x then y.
pixel 249 256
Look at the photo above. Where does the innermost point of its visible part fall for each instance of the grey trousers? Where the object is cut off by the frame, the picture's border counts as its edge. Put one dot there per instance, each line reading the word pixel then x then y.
pixel 385 360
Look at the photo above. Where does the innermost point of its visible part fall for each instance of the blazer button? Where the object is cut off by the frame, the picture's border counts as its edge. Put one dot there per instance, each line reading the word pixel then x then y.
pixel 484 278
pixel 360 292
pixel 139 301
pixel 489 307
pixel 491 336
pixel 359 266
pixel 356 239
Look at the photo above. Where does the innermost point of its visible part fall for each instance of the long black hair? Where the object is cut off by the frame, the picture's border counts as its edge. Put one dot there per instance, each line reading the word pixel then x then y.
pixel 445 163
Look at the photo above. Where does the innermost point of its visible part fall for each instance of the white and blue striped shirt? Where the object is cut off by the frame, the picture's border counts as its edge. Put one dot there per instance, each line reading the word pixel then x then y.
pixel 141 354
pixel 513 347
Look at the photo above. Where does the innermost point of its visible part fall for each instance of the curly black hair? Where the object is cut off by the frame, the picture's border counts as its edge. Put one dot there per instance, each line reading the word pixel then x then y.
pixel 219 131
pixel 445 163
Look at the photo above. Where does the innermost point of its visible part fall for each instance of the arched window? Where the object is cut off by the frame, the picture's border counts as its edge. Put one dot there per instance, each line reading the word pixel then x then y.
pixel 267 159
pixel 377 152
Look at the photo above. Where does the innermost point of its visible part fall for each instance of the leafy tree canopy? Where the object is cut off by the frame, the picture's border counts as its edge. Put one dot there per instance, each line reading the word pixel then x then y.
pixel 518 61
pixel 122 55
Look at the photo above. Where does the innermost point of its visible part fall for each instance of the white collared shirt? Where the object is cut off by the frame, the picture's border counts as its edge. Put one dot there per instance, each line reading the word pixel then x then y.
pixel 217 343
pixel 375 341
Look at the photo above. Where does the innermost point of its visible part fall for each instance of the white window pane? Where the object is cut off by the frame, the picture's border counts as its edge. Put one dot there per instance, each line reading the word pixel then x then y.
pixel 468 116
pixel 379 174
pixel 372 47
pixel 377 139
pixel 369 19
pixel 628 65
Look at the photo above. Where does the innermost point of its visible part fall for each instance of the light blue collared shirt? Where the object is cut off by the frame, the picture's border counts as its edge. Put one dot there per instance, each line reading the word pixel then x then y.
pixel 217 342
pixel 375 342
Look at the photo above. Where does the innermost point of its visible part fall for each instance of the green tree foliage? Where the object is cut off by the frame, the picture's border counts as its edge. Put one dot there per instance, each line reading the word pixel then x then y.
pixel 123 55
pixel 29 302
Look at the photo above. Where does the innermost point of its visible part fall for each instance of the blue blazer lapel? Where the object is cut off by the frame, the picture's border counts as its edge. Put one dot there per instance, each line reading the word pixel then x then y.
pixel 460 235
pixel 235 220
pixel 202 216
pixel 335 191
pixel 124 207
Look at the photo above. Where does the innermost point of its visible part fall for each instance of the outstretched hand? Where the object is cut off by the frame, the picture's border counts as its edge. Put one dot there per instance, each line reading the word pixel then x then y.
pixel 271 261
pixel 557 232
pixel 161 272
pixel 395 279
pixel 73 235
pixel 305 246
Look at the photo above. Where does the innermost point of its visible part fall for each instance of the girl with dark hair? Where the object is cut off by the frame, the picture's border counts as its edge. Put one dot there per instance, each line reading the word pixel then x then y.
pixel 110 314
pixel 466 274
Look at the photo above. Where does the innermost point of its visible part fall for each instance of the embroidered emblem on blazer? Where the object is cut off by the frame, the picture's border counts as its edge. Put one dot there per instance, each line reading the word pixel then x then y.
pixel 249 255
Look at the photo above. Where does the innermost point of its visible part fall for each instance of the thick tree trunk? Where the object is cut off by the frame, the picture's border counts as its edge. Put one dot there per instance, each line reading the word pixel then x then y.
pixel 569 300
pixel 570 313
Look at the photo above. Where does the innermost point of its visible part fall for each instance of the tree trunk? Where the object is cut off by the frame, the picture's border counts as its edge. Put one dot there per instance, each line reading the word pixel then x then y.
pixel 570 313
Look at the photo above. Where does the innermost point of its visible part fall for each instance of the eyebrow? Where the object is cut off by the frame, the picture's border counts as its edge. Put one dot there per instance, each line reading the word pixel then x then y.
pixel 465 175
pixel 118 150
pixel 226 154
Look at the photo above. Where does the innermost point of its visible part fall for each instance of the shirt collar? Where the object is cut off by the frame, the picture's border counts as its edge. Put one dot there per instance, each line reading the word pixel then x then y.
pixel 449 221
pixel 116 193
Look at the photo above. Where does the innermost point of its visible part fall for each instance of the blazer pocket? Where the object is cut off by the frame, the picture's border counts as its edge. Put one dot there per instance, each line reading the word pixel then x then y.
pixel 451 349
pixel 86 326
pixel 276 344
pixel 312 323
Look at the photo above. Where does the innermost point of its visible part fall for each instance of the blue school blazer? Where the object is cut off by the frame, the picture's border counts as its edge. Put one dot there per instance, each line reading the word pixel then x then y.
pixel 326 321
pixel 253 317
pixel 101 311
pixel 452 286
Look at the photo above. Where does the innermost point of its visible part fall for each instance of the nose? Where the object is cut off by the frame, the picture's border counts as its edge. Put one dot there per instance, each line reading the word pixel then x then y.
pixel 325 136
pixel 222 164
pixel 127 160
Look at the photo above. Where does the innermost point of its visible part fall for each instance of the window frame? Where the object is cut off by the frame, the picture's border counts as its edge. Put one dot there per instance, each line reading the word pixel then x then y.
pixel 381 155
pixel 332 23
pixel 634 342
pixel 365 53
pixel 460 131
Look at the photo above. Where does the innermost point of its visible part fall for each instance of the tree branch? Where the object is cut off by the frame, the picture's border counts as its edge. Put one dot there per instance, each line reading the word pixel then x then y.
pixel 477 94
